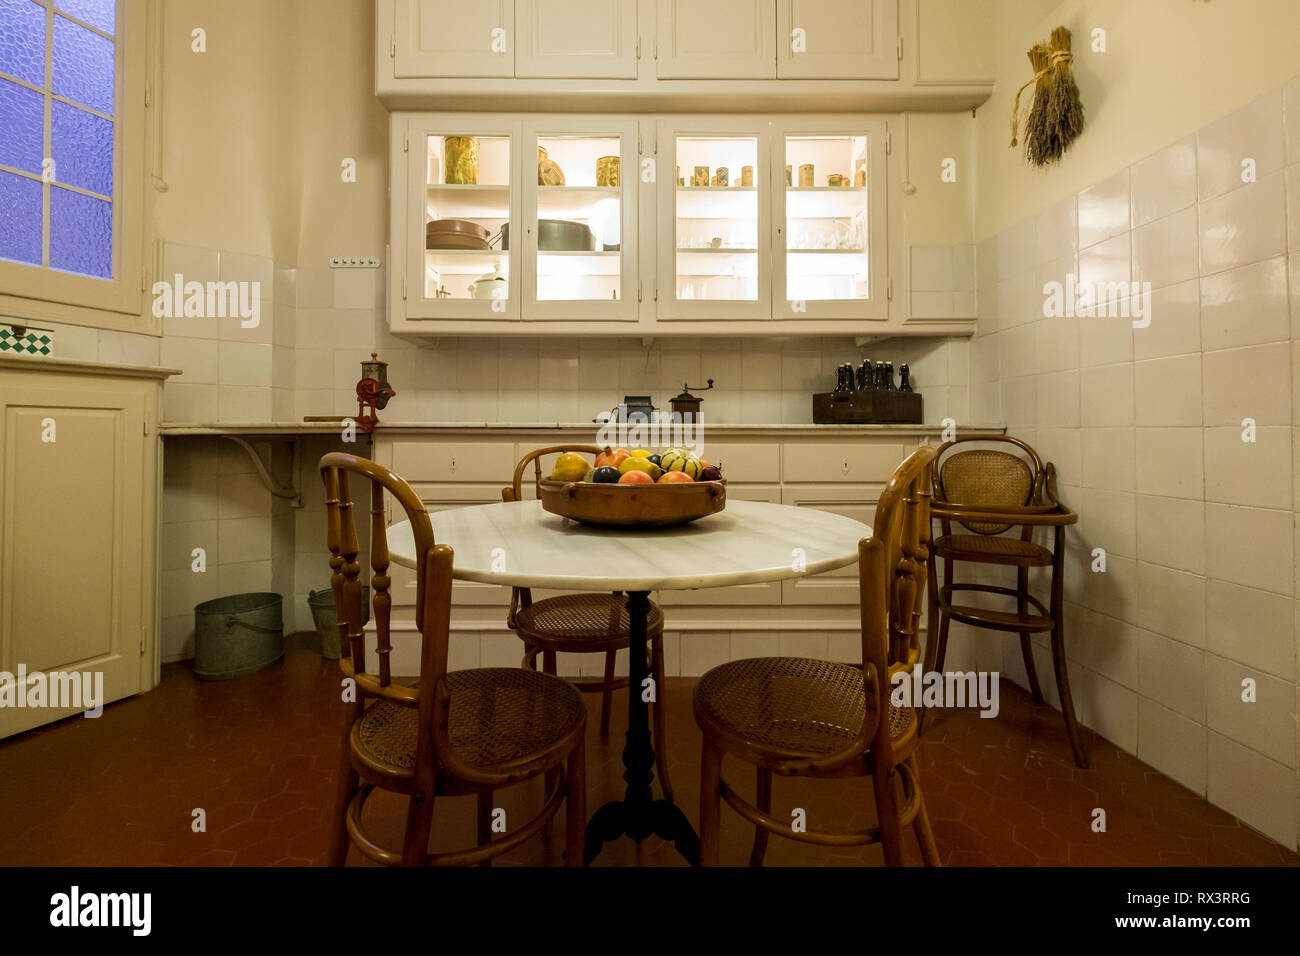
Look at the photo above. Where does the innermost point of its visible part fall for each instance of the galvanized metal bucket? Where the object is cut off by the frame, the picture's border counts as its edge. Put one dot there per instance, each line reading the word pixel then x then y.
pixel 237 635
pixel 326 618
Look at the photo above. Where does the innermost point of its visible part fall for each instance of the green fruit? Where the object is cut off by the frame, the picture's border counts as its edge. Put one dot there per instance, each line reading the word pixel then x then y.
pixel 590 475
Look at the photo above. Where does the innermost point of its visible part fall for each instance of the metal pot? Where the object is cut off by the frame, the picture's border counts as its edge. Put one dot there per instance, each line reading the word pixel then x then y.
pixel 558 235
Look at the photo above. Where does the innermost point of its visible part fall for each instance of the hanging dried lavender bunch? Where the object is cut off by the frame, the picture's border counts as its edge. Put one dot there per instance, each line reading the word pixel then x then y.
pixel 1056 115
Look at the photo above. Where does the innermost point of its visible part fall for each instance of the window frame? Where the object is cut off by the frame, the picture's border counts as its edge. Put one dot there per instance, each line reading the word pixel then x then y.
pixel 45 294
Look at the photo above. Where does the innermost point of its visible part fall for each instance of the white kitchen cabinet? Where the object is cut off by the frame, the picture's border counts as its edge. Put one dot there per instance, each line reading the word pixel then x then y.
pixel 453 38
pixel 574 281
pixel 576 39
pixel 79 512
pixel 837 39
pixel 856 501
pixel 715 237
pixel 716 39
pixel 439 282
pixel 831 243
pixel 954 44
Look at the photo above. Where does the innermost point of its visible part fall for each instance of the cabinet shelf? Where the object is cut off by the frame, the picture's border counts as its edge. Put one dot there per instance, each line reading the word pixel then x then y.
pixel 717 202
pixel 824 202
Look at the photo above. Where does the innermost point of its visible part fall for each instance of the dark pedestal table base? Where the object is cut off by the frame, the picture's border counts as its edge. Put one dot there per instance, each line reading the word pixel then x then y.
pixel 638 815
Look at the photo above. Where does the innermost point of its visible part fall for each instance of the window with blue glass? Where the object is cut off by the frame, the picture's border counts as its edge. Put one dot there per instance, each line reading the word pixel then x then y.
pixel 58 134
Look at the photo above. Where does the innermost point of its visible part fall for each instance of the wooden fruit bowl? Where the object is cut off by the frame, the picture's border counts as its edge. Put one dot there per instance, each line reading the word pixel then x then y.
pixel 633 506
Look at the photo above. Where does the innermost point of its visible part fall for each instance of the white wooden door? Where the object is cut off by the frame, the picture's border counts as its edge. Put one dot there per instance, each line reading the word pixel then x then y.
pixel 715 242
pixel 716 39
pixel 599 284
pixel 576 39
pixel 830 255
pixel 440 281
pixel 837 39
pixel 76 544
pixel 453 38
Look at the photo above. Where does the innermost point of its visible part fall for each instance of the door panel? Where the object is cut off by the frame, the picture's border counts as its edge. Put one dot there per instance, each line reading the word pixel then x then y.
pixel 718 40
pixel 837 39
pixel 576 39
pixel 453 38
pixel 62 535
pixel 856 501
pixel 768 592
pixel 441 497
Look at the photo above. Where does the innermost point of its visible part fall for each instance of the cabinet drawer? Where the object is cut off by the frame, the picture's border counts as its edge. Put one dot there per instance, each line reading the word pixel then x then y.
pixel 840 462
pixel 856 501
pixel 438 497
pixel 767 592
pixel 455 461
pixel 745 463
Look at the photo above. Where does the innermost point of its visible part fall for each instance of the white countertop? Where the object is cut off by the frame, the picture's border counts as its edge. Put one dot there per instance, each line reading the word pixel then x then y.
pixel 329 428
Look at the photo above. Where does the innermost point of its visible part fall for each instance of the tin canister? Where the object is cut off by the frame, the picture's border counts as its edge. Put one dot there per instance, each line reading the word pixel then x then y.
pixel 607 171
pixel 701 177
pixel 806 175
pixel 461 159
pixel 747 176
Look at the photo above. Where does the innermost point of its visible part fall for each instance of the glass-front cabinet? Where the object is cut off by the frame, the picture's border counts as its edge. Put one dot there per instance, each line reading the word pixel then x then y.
pixel 830 220
pixel 580 223
pixel 714 241
pixel 464 170
pixel 620 223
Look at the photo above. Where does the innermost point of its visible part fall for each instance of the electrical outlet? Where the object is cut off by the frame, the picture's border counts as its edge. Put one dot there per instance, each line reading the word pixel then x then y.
pixel 349 262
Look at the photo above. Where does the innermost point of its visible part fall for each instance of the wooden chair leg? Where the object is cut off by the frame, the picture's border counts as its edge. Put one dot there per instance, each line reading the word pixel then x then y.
pixel 607 696
pixel 485 821
pixel 552 775
pixel 924 834
pixel 710 803
pixel 419 821
pixel 343 791
pixel 575 811
pixel 659 713
pixel 940 652
pixel 764 803
pixel 931 633
pixel 1026 645
pixel 1067 702
pixel 1058 650
pixel 891 831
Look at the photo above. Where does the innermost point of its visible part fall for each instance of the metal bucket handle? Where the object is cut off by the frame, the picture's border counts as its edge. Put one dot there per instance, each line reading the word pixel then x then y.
pixel 231 621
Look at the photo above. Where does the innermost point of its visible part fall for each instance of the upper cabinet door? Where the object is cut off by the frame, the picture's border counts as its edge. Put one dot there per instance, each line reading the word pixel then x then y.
pixel 454 38
pixel 717 39
pixel 954 43
pixel 576 39
pixel 837 39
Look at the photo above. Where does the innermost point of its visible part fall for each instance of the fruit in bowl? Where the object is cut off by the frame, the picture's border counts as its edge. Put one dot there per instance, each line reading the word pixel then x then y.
pixel 570 467
pixel 676 478
pixel 635 476
pixel 612 456
pixel 710 473
pixel 644 465
pixel 678 460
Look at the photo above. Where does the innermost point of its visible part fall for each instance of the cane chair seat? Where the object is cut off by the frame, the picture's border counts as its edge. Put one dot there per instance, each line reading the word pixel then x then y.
pixel 576 618
pixel 989 549
pixel 987 477
pixel 791 706
pixel 498 716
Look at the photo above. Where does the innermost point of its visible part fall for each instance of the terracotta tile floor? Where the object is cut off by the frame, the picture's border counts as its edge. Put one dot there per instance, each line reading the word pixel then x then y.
pixel 258 756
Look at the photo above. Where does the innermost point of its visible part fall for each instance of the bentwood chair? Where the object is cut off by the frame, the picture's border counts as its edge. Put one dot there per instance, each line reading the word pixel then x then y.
pixel 792 716
pixel 988 492
pixel 449 733
pixel 591 623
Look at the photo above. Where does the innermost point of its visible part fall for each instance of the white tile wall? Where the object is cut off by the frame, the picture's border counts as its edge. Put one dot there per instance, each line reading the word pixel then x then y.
pixel 1186 453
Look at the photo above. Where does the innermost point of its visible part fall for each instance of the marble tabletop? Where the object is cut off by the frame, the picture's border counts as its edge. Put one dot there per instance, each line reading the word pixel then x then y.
pixel 517 543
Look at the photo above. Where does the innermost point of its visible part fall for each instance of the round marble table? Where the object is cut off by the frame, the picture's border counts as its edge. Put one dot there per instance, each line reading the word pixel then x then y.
pixel 518 544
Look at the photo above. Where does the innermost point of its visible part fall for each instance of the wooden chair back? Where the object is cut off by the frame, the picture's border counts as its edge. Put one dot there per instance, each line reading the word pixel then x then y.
pixel 988 478
pixel 433 585
pixel 515 492
pixel 892 568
